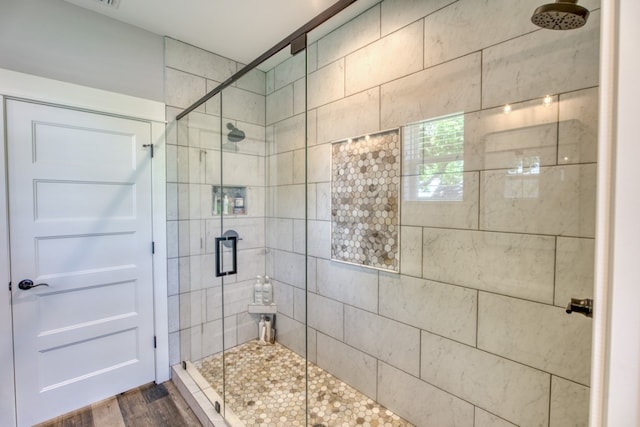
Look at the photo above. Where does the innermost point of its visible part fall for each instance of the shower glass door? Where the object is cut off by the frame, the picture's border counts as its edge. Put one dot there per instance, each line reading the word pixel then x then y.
pixel 262 201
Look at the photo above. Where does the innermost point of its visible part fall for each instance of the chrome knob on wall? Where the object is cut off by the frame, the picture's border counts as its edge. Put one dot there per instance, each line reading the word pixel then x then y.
pixel 584 306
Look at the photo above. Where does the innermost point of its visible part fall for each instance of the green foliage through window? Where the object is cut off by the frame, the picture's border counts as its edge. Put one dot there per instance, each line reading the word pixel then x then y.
pixel 435 149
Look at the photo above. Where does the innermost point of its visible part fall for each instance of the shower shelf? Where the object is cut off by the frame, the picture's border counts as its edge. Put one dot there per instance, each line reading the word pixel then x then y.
pixel 263 308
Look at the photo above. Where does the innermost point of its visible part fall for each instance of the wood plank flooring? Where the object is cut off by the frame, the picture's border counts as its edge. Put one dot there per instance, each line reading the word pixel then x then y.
pixel 152 405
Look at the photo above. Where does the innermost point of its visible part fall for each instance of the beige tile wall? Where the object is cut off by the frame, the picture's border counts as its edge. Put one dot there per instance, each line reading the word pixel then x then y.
pixel 473 331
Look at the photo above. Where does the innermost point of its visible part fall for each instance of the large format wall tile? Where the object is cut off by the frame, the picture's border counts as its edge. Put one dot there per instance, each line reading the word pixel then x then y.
pixel 243 105
pixel 348 364
pixel 387 340
pixel 537 335
pixel 515 392
pixel 299 96
pixel 419 402
pixel 288 134
pixel 398 13
pixel 557 200
pixel 283 297
pixel 541 63
pixel 319 163
pixel 325 315
pixel 289 201
pixel 253 81
pixel 289 71
pixel 326 84
pixel 197 61
pixel 350 284
pixel 453 87
pixel 574 269
pixel 183 89
pixel 289 268
pixel 470 25
pixel 569 404
pixel 443 309
pixel 319 239
pixel 356 33
pixel 494 139
pixel 440 213
pixel 486 419
pixel 510 264
pixel 411 251
pixel 349 117
pixel 280 167
pixel 369 66
pixel 279 105
pixel 279 233
pixel 578 132
pixel 242 169
pixel 291 334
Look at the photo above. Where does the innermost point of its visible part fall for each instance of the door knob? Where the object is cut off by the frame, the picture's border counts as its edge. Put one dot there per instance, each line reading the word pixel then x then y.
pixel 584 306
pixel 27 284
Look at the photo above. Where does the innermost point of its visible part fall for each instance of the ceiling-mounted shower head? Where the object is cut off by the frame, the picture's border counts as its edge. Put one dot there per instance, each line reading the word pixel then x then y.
pixel 235 134
pixel 561 15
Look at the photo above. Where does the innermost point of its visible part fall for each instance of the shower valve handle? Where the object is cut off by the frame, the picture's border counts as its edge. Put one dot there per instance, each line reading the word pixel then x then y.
pixel 584 306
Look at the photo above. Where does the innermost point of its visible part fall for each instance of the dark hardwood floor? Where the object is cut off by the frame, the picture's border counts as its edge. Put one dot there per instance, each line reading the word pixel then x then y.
pixel 152 405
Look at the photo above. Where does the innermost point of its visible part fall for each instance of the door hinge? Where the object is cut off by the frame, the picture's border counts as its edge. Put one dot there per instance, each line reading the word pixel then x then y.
pixel 155 342
pixel 151 147
pixel 9 286
pixel 153 247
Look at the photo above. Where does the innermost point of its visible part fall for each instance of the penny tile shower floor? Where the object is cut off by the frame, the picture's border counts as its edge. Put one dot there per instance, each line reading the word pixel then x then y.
pixel 265 388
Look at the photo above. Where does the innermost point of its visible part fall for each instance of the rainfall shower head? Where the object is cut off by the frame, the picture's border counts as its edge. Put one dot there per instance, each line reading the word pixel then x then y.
pixel 561 15
pixel 235 134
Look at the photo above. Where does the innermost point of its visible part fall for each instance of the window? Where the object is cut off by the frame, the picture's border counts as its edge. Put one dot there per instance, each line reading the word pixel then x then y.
pixel 434 159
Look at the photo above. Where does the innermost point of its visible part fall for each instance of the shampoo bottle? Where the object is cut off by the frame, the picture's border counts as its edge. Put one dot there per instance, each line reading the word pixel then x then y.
pixel 257 291
pixel 267 291
pixel 262 331
pixel 225 205
pixel 217 205
pixel 268 330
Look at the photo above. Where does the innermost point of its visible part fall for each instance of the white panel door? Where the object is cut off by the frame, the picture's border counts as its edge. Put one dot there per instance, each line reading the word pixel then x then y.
pixel 80 221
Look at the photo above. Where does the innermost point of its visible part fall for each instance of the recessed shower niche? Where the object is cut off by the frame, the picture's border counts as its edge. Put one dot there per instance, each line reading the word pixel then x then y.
pixel 229 200
pixel 365 195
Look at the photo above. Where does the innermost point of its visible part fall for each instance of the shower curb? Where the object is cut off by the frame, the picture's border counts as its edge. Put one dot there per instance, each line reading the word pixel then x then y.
pixel 199 396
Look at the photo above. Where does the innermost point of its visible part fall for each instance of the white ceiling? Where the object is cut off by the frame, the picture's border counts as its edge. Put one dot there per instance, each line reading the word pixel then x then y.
pixel 237 29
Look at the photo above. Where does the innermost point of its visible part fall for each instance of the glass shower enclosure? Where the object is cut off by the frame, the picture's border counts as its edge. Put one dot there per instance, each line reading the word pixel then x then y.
pixel 423 203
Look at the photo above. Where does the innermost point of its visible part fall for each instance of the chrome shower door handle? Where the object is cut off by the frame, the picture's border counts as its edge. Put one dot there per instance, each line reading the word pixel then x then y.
pixel 584 306
pixel 221 268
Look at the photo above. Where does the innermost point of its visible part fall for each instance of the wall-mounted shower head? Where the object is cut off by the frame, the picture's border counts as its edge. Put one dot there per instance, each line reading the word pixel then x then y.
pixel 235 134
pixel 561 15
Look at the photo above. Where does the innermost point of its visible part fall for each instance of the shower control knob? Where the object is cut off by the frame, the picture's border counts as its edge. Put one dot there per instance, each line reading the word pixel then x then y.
pixel 584 306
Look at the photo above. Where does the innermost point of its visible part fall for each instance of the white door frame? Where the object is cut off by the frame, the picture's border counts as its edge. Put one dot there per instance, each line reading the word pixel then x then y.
pixel 616 350
pixel 33 88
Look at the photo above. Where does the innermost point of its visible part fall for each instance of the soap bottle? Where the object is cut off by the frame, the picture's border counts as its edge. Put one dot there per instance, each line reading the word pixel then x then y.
pixel 217 204
pixel 267 291
pixel 238 204
pixel 257 291
pixel 262 331
pixel 225 204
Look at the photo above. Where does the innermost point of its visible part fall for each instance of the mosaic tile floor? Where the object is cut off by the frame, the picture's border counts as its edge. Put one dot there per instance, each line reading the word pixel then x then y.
pixel 265 388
